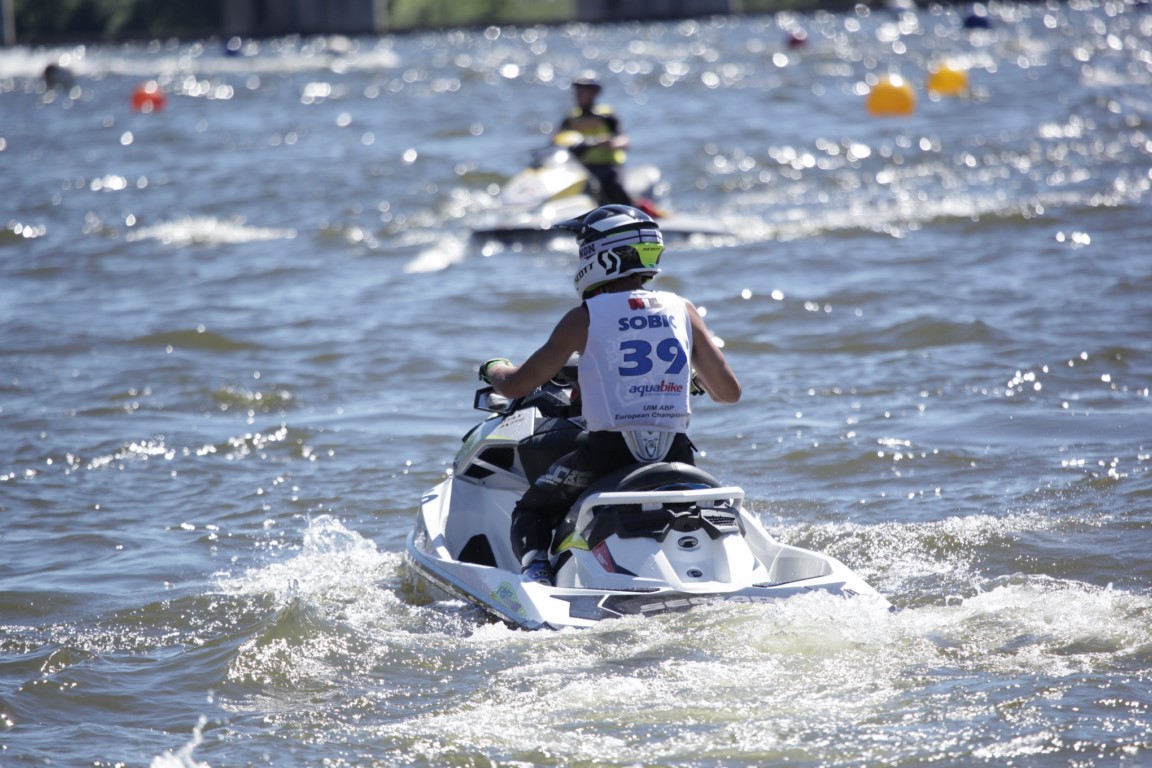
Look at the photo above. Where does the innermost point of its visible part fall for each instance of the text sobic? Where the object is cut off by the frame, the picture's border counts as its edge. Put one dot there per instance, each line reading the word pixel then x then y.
pixel 639 322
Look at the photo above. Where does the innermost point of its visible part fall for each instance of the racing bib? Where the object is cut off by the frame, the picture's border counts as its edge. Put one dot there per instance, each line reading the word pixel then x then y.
pixel 636 369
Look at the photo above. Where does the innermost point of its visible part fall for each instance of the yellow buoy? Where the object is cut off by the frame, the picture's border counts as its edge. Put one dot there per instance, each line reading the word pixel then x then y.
pixel 893 95
pixel 946 80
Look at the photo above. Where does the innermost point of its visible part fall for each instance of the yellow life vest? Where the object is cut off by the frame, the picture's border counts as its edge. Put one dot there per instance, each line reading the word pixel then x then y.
pixel 596 124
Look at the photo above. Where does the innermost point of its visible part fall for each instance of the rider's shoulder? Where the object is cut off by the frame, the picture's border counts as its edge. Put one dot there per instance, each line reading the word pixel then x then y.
pixel 599 110
pixel 576 316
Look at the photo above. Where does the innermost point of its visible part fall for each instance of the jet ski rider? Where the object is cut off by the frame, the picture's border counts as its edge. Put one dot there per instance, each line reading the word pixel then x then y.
pixel 642 352
pixel 603 149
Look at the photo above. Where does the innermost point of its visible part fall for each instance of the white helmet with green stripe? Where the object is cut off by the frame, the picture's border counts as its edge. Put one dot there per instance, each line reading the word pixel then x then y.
pixel 615 241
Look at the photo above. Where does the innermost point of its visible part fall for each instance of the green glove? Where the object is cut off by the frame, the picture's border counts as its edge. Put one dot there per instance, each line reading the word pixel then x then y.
pixel 694 387
pixel 484 367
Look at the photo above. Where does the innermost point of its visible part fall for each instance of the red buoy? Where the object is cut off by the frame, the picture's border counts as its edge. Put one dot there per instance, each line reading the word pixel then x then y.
pixel 149 97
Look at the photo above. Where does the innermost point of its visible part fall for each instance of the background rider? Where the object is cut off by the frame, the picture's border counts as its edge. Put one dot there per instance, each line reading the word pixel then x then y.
pixel 604 146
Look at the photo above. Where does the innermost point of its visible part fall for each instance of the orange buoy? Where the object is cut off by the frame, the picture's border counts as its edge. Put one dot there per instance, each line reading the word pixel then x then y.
pixel 893 95
pixel 149 97
pixel 946 80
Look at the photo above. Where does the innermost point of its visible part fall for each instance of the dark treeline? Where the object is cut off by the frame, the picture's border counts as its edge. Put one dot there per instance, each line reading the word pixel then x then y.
pixel 45 21
pixel 62 21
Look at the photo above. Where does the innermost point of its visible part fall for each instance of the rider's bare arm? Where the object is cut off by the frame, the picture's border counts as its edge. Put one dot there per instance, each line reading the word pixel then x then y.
pixel 712 370
pixel 567 337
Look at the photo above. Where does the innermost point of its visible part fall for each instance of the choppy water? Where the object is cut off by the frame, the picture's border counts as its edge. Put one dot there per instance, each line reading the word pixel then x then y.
pixel 240 336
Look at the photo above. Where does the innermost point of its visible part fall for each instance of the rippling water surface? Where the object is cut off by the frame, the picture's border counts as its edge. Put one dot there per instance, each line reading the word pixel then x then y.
pixel 240 336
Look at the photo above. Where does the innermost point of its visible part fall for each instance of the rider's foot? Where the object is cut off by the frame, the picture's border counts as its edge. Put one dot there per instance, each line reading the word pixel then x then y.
pixel 539 571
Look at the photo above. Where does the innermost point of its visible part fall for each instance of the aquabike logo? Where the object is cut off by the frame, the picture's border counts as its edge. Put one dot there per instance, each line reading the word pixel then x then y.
pixel 664 387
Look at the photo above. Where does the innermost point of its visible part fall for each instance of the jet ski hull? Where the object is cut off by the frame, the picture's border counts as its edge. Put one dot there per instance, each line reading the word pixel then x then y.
pixel 489 578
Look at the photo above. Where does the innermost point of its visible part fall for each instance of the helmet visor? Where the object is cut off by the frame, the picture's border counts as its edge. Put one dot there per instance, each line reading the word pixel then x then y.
pixel 649 253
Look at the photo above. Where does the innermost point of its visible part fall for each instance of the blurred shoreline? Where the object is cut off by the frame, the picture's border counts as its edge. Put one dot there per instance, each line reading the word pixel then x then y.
pixel 42 24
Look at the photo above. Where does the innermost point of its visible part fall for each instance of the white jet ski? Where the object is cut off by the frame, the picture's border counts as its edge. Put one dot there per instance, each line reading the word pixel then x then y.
pixel 556 186
pixel 647 540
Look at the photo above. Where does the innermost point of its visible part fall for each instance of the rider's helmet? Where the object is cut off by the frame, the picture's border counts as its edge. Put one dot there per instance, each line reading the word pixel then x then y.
pixel 588 79
pixel 615 241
